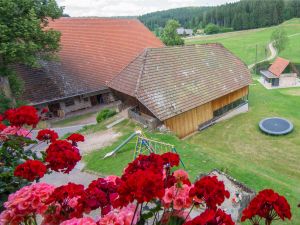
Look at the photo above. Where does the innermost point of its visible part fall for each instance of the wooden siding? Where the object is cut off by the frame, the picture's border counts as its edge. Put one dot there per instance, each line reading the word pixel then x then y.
pixel 188 122
pixel 227 99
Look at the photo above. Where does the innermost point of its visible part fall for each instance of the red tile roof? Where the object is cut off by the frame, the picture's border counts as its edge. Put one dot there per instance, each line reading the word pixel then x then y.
pixel 173 80
pixel 279 66
pixel 93 51
pixel 97 49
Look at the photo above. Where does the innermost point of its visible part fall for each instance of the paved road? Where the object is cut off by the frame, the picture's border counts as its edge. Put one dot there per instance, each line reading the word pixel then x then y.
pixel 76 175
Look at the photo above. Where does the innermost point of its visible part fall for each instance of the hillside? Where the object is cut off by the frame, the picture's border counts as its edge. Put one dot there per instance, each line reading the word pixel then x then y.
pixel 245 14
pixel 243 43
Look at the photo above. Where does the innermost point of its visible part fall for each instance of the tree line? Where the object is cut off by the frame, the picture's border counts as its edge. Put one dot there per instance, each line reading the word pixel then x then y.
pixel 245 14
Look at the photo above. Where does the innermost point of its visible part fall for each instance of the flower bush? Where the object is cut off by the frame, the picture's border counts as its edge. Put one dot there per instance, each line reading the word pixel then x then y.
pixel 19 165
pixel 149 190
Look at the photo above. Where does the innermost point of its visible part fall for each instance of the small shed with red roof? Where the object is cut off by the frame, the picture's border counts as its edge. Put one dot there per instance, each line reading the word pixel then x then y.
pixel 281 73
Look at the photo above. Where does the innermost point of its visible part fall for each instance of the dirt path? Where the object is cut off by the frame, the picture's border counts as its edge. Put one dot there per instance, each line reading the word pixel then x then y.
pixel 273 51
pixel 98 140
pixel 94 141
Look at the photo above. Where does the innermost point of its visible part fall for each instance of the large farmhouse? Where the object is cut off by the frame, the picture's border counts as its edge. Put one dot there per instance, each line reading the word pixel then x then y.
pixel 93 51
pixel 184 87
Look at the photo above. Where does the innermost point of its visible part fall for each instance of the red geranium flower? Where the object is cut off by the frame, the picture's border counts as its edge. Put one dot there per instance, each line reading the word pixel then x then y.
pixel 62 156
pixel 212 217
pixel 151 162
pixel 31 170
pixel 268 205
pixel 2 127
pixel 44 110
pixel 170 158
pixel 209 190
pixel 142 185
pixel 76 138
pixel 22 115
pixel 101 193
pixel 1 118
pixel 66 202
pixel 47 135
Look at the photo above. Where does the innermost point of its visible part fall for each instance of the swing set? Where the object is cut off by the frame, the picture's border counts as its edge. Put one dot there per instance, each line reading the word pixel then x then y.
pixel 144 146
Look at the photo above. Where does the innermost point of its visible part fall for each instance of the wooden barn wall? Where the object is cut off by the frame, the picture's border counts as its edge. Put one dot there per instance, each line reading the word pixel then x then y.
pixel 227 99
pixel 188 122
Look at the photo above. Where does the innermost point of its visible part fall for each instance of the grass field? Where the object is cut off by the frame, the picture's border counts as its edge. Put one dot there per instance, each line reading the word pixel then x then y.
pixel 243 43
pixel 235 146
pixel 74 120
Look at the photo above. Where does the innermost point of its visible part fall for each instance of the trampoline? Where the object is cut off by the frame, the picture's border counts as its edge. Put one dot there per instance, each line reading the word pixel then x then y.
pixel 276 126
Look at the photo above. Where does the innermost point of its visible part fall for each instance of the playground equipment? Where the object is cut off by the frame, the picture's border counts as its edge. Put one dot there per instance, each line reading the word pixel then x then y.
pixel 144 145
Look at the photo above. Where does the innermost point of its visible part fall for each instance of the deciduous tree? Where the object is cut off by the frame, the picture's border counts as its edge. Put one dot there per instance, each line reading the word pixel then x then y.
pixel 169 35
pixel 280 39
pixel 24 37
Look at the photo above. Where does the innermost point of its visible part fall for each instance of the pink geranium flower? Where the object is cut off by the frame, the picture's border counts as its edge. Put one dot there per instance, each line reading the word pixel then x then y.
pixel 120 216
pixel 19 131
pixel 81 221
pixel 26 202
pixel 179 196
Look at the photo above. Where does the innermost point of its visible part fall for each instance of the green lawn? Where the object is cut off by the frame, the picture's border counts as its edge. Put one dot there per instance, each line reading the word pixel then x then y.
pixel 243 43
pixel 236 146
pixel 73 120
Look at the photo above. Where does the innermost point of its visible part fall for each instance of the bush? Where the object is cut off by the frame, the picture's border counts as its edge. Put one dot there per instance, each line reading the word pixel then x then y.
pixel 212 29
pixel 105 114
pixel 225 29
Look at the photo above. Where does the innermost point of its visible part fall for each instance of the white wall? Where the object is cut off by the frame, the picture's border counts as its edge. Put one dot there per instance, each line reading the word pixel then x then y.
pixel 288 80
pixel 79 104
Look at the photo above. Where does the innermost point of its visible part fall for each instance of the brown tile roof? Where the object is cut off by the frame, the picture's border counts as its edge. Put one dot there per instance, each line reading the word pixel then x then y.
pixel 172 80
pixel 93 51
pixel 50 82
pixel 97 49
pixel 279 66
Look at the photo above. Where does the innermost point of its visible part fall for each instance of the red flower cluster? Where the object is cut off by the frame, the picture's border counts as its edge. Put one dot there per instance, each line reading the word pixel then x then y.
pixel 212 217
pixel 47 135
pixel 64 203
pixel 142 185
pixel 22 115
pixel 31 170
pixel 268 205
pixel 151 162
pixel 2 127
pixel 101 193
pixel 209 190
pixel 44 110
pixel 171 159
pixel 76 138
pixel 62 156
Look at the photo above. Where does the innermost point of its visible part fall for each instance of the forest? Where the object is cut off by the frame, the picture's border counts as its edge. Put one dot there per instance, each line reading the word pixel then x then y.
pixel 242 15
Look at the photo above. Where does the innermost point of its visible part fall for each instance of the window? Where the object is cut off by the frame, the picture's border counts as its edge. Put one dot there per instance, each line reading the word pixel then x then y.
pixel 86 99
pixel 69 102
pixel 230 106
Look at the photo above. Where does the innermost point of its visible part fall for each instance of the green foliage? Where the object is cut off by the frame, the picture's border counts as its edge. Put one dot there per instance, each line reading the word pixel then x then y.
pixel 16 85
pixel 5 103
pixel 13 153
pixel 212 29
pixel 105 114
pixel 226 29
pixel 279 36
pixel 169 35
pixel 246 14
pixel 23 37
